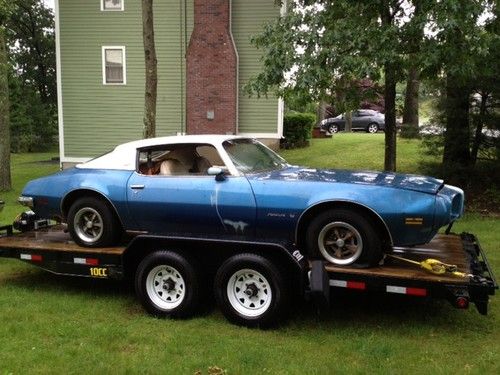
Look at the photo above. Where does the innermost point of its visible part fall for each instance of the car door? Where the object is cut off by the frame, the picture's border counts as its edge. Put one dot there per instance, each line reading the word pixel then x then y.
pixel 360 119
pixel 191 203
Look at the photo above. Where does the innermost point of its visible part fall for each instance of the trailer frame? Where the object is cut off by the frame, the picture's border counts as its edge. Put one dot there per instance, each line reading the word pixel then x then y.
pixel 50 248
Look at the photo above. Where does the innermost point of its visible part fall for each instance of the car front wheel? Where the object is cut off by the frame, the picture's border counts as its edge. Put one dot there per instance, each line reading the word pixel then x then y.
pixel 333 128
pixel 372 128
pixel 343 237
pixel 91 223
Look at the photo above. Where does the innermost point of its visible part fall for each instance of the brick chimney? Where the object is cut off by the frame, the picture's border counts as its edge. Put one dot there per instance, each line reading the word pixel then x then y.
pixel 211 92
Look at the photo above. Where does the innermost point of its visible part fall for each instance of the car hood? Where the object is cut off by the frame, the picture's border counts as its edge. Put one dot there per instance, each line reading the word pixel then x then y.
pixel 387 179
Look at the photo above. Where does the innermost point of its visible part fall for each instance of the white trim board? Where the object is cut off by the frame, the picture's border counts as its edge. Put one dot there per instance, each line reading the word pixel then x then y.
pixel 60 117
pixel 261 135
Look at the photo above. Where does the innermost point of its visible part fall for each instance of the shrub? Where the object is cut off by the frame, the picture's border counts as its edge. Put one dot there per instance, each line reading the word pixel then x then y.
pixel 297 129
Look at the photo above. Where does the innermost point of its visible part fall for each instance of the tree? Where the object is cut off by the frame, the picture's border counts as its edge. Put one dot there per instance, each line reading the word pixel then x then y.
pixel 321 47
pixel 459 45
pixel 415 34
pixel 486 87
pixel 32 80
pixel 5 179
pixel 32 44
pixel 150 61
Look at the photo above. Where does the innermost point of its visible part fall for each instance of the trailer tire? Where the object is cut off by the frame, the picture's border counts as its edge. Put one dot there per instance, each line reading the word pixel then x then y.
pixel 265 298
pixel 344 237
pixel 168 285
pixel 103 227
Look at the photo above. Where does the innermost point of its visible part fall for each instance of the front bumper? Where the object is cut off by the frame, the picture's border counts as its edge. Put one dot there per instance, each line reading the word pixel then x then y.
pixel 25 201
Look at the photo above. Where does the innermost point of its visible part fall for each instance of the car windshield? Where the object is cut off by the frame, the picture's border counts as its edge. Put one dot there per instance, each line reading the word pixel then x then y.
pixel 250 156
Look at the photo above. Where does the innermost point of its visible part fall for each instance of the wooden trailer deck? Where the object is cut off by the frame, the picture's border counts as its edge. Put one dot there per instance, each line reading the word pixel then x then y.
pixel 445 248
pixel 52 238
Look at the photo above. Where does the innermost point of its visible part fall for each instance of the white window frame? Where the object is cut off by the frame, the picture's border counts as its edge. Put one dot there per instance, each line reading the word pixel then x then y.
pixel 103 53
pixel 112 10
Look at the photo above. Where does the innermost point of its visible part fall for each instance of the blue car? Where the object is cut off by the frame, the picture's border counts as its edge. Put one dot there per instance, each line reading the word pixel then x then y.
pixel 229 186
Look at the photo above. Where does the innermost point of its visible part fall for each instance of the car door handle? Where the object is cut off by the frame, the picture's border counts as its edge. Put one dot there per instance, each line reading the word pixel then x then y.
pixel 137 187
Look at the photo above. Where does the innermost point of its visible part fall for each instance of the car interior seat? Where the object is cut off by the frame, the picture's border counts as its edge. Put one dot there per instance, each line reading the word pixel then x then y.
pixel 185 155
pixel 172 167
pixel 201 165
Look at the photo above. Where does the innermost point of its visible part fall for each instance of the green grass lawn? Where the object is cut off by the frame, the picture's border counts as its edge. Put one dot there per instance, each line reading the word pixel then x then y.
pixel 357 151
pixel 53 324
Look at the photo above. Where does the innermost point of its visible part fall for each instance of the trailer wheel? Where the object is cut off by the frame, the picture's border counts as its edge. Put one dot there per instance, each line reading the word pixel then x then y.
pixel 343 237
pixel 251 291
pixel 168 285
pixel 92 224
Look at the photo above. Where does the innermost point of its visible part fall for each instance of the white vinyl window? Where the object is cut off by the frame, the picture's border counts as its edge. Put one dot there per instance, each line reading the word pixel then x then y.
pixel 113 66
pixel 112 5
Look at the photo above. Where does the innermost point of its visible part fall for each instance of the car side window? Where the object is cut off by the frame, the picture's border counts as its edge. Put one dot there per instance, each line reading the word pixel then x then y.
pixel 177 160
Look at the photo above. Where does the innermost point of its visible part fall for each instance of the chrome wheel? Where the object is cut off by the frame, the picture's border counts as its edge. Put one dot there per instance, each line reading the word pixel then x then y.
pixel 333 129
pixel 88 225
pixel 165 287
pixel 249 292
pixel 340 243
pixel 372 128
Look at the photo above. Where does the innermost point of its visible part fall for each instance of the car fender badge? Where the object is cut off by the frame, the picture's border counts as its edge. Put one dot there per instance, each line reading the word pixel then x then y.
pixel 414 221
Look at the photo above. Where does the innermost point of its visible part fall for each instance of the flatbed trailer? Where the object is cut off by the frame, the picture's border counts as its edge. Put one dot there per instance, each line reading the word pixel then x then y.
pixel 253 281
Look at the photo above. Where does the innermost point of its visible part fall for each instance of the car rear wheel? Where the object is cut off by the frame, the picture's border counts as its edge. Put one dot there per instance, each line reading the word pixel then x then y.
pixel 343 237
pixel 372 128
pixel 250 290
pixel 91 223
pixel 168 285
pixel 333 128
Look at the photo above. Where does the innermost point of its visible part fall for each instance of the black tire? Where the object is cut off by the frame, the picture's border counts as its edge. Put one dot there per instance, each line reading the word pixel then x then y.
pixel 168 285
pixel 106 230
pixel 352 238
pixel 333 128
pixel 372 128
pixel 268 284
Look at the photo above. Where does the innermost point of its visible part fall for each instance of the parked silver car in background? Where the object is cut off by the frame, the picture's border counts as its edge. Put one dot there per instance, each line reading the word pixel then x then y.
pixel 363 119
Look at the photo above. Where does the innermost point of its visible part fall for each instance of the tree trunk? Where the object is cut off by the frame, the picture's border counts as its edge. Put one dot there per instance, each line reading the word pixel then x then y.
pixel 321 111
pixel 387 17
pixel 151 69
pixel 410 111
pixel 479 128
pixel 456 137
pixel 348 121
pixel 5 180
pixel 390 117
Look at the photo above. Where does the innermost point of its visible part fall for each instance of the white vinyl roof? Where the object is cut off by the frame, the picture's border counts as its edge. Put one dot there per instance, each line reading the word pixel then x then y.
pixel 124 156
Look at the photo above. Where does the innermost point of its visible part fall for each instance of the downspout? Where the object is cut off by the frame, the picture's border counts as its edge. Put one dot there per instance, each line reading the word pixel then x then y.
pixel 237 67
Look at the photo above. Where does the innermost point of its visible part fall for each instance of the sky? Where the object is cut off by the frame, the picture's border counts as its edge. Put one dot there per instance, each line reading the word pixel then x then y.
pixel 49 3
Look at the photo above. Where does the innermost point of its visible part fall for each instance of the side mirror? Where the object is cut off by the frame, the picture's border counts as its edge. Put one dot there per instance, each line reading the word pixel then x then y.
pixel 218 172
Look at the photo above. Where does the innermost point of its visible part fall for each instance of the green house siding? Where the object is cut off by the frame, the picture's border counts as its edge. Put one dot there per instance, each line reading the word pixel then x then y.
pixel 97 117
pixel 248 18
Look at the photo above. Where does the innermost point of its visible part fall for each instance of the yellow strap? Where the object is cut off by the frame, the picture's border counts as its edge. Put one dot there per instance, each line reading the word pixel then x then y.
pixel 434 266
